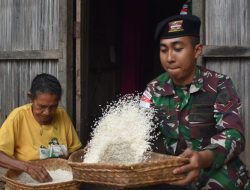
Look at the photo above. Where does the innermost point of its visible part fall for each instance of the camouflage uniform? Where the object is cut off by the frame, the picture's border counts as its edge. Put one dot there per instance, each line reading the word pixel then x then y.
pixel 203 115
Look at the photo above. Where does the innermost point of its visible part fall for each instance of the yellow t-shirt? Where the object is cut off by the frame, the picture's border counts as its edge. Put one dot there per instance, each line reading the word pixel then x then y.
pixel 21 136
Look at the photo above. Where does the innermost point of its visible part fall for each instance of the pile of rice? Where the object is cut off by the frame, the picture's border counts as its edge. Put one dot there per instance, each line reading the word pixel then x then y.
pixel 123 134
pixel 58 176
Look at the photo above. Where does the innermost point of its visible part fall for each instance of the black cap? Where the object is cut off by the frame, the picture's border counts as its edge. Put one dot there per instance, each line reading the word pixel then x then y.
pixel 178 26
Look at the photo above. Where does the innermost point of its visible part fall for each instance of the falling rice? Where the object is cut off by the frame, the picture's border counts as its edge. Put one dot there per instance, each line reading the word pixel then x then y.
pixel 123 134
pixel 58 176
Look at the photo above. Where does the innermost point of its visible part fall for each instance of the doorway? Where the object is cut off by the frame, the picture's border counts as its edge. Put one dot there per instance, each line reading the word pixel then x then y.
pixel 122 55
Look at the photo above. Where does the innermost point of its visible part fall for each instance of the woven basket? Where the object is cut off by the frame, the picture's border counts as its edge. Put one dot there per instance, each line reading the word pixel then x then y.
pixel 157 169
pixel 50 164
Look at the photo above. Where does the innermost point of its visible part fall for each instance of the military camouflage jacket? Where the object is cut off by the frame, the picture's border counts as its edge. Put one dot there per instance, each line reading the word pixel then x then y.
pixel 203 115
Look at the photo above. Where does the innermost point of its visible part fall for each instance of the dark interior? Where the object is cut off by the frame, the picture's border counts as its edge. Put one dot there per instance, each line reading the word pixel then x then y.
pixel 122 51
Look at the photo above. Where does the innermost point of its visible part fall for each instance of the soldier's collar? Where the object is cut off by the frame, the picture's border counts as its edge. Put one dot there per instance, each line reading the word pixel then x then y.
pixel 167 88
pixel 197 83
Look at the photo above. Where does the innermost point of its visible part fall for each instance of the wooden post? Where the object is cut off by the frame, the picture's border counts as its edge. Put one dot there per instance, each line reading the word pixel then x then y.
pixel 198 9
pixel 78 65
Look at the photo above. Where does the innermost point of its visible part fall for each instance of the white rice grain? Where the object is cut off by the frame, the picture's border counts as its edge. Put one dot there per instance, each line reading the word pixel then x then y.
pixel 123 134
pixel 58 176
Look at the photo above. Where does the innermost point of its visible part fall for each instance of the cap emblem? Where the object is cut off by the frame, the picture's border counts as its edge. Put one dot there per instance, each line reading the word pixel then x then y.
pixel 175 26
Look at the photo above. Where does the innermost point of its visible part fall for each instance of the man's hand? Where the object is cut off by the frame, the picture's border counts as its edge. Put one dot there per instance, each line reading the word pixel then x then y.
pixel 198 161
pixel 38 173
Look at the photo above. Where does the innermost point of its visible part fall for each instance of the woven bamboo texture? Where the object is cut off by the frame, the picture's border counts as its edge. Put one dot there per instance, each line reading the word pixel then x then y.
pixel 157 169
pixel 50 164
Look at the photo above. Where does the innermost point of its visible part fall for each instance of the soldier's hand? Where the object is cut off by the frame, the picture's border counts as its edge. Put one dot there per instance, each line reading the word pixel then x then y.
pixel 198 161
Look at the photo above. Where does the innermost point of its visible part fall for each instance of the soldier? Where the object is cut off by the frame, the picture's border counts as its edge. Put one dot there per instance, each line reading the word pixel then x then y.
pixel 199 109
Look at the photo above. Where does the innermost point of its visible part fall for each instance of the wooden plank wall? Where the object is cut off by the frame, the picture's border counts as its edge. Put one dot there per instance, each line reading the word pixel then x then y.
pixel 29 25
pixel 30 43
pixel 228 24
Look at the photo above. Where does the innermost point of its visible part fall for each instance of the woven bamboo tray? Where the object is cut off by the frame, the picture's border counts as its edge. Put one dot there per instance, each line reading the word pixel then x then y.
pixel 50 164
pixel 157 169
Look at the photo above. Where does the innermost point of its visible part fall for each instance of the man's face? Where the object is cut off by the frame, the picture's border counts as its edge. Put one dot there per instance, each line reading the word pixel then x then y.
pixel 44 107
pixel 178 58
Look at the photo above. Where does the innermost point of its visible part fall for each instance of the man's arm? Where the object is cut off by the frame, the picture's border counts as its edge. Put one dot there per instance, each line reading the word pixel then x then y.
pixel 38 173
pixel 227 144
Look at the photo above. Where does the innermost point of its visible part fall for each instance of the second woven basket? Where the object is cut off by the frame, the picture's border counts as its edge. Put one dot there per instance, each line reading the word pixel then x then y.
pixel 157 169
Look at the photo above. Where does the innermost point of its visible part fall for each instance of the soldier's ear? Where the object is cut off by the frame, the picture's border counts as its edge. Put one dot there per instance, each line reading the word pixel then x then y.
pixel 198 50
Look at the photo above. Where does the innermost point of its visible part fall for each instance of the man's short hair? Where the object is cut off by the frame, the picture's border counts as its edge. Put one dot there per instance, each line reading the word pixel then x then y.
pixel 45 83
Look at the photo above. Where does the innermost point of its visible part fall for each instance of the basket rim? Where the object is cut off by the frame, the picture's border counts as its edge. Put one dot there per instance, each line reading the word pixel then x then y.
pixel 131 185
pixel 166 161
pixel 39 185
pixel 12 181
